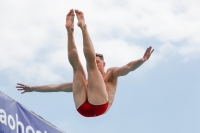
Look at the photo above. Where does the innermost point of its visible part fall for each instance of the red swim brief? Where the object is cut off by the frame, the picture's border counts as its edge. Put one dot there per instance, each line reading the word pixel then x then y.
pixel 89 110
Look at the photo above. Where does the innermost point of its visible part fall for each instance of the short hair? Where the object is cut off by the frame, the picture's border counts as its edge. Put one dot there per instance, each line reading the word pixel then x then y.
pixel 100 56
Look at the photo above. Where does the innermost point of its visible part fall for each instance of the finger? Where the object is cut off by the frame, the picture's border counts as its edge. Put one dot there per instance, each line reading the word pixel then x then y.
pixel 23 92
pixel 149 49
pixel 20 84
pixel 152 51
pixel 146 50
pixel 20 89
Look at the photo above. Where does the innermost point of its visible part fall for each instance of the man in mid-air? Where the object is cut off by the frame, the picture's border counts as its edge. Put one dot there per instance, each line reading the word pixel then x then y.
pixel 95 95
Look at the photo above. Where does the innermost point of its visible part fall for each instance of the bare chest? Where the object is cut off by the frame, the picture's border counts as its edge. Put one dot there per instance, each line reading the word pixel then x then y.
pixel 111 86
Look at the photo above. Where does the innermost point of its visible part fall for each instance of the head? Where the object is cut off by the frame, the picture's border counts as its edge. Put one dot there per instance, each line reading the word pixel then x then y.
pixel 100 62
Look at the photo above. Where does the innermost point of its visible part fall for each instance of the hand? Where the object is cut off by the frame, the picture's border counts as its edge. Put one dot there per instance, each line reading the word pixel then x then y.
pixel 147 54
pixel 24 88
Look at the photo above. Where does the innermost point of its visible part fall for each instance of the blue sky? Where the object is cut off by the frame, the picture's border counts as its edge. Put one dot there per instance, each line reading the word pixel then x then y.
pixel 163 95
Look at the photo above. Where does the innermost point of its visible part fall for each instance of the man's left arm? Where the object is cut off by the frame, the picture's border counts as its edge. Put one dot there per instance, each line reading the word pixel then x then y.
pixel 133 65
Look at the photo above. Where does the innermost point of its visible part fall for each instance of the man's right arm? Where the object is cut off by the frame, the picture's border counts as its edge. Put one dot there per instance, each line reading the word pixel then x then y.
pixel 66 87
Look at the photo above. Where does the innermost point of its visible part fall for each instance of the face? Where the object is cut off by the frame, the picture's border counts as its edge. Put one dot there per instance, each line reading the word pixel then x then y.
pixel 100 63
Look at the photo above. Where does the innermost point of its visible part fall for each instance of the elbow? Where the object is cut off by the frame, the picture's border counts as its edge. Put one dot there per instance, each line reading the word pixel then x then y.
pixel 55 88
pixel 129 67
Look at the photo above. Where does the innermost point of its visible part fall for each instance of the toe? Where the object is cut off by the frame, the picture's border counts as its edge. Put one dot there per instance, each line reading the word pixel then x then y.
pixel 76 11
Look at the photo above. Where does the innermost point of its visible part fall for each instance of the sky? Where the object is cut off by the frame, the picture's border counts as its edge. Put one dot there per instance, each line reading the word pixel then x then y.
pixel 161 96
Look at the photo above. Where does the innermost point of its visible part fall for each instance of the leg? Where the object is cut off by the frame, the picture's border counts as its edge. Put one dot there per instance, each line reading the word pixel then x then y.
pixel 97 93
pixel 79 80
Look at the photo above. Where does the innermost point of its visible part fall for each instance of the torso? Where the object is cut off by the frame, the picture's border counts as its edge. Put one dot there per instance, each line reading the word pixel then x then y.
pixel 111 85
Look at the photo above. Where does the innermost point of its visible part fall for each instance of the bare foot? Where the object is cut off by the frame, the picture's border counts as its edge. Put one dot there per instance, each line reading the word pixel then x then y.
pixel 80 17
pixel 70 21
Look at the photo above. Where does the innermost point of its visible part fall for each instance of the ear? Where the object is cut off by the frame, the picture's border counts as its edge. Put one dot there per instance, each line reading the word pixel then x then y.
pixel 104 64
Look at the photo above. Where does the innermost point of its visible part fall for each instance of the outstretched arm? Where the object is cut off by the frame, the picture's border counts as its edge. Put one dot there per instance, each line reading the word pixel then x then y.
pixel 131 66
pixel 66 87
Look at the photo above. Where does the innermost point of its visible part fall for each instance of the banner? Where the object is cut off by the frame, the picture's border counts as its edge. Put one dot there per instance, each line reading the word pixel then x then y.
pixel 15 118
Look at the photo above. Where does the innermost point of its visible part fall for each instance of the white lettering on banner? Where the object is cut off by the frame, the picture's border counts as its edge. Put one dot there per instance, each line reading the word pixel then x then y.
pixel 39 131
pixel 11 123
pixel 18 123
pixel 3 117
pixel 15 125
pixel 29 128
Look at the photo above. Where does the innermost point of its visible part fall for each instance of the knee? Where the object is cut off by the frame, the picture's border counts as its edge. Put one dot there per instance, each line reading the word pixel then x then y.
pixel 73 54
pixel 89 55
pixel 91 65
pixel 73 57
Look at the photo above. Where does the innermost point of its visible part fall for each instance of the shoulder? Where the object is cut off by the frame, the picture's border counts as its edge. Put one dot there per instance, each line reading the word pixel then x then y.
pixel 111 69
pixel 110 72
pixel 110 77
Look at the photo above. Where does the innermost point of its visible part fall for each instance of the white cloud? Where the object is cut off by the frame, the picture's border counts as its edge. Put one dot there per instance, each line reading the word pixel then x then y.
pixel 190 51
pixel 34 30
pixel 187 51
pixel 167 48
pixel 117 52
